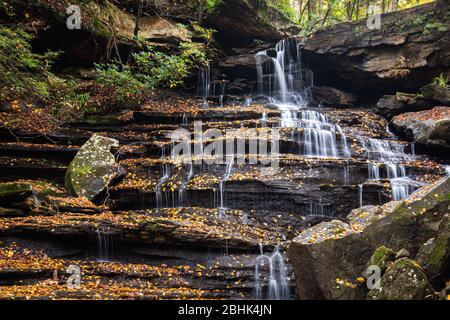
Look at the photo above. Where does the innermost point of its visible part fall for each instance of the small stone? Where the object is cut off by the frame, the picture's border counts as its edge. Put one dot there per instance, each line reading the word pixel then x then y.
pixel 403 253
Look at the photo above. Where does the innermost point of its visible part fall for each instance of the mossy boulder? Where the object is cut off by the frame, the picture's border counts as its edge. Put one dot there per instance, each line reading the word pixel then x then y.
pixel 383 258
pixel 436 261
pixel 405 280
pixel 93 169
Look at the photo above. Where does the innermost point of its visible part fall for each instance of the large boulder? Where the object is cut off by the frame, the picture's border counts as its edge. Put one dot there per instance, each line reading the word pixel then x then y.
pixel 405 280
pixel 94 168
pixel 437 92
pixel 329 257
pixel 435 254
pixel 408 52
pixel 430 128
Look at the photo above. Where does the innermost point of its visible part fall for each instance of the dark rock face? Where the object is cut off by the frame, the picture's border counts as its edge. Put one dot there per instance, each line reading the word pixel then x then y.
pixel 409 50
pixel 329 96
pixel 431 95
pixel 392 105
pixel 437 92
pixel 256 20
pixel 327 265
pixel 429 128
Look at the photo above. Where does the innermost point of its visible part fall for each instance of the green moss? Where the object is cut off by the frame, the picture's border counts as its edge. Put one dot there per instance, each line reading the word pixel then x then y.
pixel 437 255
pixel 381 256
pixel 13 188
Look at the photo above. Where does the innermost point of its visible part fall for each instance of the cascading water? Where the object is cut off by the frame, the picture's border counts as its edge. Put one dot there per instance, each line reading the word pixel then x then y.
pixel 319 136
pixel 390 154
pixel 283 80
pixel 277 286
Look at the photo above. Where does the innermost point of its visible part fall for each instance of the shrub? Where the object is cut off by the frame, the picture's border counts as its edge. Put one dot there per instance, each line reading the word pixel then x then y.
pixel 24 73
pixel 157 69
pixel 119 79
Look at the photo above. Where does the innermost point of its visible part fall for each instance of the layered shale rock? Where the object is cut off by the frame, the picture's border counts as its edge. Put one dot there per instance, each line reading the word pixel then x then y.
pixel 431 95
pixel 409 50
pixel 430 128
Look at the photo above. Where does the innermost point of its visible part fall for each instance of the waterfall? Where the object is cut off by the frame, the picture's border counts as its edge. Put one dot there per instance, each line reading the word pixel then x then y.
pixel 360 194
pixel 204 84
pixel 225 177
pixel 280 74
pixel 182 194
pixel 319 136
pixel 277 287
pixel 390 153
pixel 164 177
pixel 282 79
pixel 108 246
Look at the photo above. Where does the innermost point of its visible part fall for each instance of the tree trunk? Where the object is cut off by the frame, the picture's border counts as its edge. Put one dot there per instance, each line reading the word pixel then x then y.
pixel 136 29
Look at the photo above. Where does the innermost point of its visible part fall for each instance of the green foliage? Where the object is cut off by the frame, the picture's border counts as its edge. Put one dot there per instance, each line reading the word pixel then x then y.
pixel 285 7
pixel 157 69
pixel 436 25
pixel 441 80
pixel 119 79
pixel 24 73
pixel 205 33
pixel 210 5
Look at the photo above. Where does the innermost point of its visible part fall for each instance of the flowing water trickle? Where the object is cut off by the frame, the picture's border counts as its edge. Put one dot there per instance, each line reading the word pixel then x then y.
pixel 277 286
pixel 374 171
pixel 164 177
pixel 360 194
pixel 204 84
pixel 224 179
pixel 182 194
